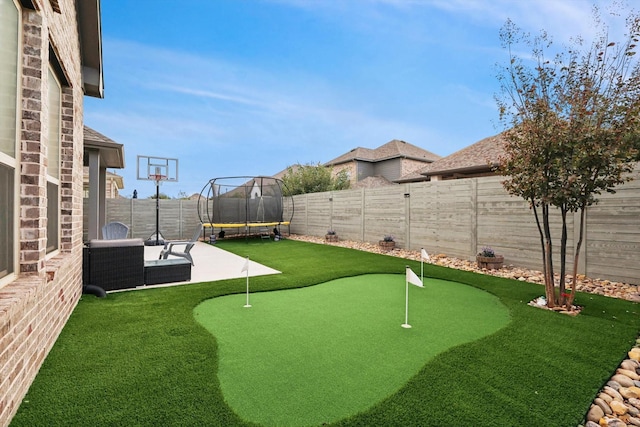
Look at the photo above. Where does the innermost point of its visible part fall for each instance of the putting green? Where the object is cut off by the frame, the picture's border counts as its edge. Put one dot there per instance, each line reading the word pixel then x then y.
pixel 315 355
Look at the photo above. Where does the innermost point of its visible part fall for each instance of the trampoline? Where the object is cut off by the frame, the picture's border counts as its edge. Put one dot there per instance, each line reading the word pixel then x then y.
pixel 244 205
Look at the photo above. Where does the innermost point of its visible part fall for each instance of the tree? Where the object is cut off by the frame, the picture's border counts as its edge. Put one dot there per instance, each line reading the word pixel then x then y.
pixel 573 124
pixel 161 196
pixel 312 178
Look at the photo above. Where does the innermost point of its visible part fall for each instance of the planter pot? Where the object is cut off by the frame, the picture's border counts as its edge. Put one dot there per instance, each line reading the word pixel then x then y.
pixel 490 262
pixel 331 237
pixel 387 246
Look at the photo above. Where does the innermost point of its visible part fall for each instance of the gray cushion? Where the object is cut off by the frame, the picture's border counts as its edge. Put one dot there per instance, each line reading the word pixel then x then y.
pixel 116 243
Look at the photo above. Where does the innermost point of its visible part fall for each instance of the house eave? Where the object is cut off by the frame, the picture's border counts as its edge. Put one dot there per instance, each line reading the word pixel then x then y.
pixel 90 32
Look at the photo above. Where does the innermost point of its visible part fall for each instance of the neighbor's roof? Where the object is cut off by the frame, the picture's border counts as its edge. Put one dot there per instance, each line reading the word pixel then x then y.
pixel 391 150
pixel 481 156
pixel 111 153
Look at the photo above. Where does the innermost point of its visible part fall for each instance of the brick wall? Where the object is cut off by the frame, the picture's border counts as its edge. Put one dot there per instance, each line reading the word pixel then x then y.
pixel 35 307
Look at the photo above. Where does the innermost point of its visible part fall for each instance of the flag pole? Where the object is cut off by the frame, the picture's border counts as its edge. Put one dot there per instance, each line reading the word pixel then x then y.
pixel 406 324
pixel 247 305
pixel 421 265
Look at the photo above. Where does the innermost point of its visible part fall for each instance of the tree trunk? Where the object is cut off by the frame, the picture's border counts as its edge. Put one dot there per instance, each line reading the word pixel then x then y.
pixel 543 247
pixel 563 257
pixel 550 288
pixel 576 257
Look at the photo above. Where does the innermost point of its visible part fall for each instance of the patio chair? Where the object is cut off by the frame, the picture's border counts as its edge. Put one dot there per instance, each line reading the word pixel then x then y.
pixel 115 230
pixel 171 247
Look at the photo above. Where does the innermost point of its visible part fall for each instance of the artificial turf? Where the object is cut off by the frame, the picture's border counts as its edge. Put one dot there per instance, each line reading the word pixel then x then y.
pixel 322 353
pixel 141 358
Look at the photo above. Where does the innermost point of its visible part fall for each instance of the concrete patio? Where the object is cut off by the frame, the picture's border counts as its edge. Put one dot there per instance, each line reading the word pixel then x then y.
pixel 211 264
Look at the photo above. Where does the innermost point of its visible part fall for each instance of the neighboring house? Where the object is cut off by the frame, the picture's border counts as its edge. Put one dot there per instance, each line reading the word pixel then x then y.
pixel 390 161
pixel 114 183
pixel 50 58
pixel 477 160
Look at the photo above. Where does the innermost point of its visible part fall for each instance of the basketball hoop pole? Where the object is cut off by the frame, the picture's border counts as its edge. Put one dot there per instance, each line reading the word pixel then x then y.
pixel 157 210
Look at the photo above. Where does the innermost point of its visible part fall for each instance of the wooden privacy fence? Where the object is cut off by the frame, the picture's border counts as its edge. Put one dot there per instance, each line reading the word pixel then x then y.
pixel 178 218
pixel 459 217
pixel 456 218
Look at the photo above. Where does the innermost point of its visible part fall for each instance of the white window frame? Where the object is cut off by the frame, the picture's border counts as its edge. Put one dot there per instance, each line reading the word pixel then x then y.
pixel 12 162
pixel 54 180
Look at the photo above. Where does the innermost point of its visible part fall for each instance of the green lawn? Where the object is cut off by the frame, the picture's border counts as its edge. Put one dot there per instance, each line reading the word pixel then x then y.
pixel 142 358
pixel 340 344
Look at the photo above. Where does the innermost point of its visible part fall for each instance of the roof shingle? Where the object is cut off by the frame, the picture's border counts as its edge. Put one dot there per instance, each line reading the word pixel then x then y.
pixel 391 150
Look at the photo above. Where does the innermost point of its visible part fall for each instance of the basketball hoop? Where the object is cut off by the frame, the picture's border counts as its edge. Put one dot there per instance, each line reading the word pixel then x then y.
pixel 158 169
pixel 158 178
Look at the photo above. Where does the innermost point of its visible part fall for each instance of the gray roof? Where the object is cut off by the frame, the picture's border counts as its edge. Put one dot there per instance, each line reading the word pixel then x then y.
pixel 391 150
pixel 111 153
pixel 482 156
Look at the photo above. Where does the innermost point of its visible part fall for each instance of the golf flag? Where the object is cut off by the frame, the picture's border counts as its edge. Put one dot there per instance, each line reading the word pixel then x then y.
pixel 246 268
pixel 413 278
pixel 423 256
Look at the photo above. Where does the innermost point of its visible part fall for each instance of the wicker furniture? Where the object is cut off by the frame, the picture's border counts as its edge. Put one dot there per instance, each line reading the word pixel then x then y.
pixel 114 264
pixel 166 271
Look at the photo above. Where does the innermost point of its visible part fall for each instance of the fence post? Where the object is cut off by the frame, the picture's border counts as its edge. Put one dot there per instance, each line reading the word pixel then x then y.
pixel 474 218
pixel 362 216
pixel 407 216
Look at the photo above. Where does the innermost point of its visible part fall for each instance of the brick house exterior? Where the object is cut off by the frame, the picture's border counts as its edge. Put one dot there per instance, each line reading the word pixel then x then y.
pixel 50 59
pixel 389 161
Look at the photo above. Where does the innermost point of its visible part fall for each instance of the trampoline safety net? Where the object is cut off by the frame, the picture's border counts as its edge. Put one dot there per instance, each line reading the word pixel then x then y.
pixel 244 200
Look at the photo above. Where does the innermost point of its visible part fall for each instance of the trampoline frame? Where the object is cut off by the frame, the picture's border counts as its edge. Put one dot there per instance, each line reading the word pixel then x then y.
pixel 209 194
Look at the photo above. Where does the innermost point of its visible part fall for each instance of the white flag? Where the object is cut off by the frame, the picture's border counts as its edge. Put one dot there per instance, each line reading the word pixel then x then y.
pixel 424 255
pixel 245 267
pixel 413 278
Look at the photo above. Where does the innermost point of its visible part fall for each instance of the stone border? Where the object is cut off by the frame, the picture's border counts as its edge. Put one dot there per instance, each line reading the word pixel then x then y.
pixel 585 284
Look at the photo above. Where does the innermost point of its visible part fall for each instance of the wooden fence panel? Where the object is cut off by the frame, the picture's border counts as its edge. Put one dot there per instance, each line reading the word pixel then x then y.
pixel 506 224
pixel 613 234
pixel 347 214
pixel 384 214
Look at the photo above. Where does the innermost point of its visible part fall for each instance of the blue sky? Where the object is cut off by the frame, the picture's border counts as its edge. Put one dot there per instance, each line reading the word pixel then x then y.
pixel 249 87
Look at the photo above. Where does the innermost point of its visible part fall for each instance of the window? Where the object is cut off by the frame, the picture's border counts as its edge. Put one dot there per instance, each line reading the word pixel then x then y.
pixel 53 164
pixel 9 66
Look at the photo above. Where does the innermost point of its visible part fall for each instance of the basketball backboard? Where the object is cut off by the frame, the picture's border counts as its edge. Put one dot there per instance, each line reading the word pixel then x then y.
pixel 157 169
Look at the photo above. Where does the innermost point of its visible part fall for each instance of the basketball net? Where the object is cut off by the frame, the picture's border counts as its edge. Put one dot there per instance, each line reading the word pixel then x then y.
pixel 157 178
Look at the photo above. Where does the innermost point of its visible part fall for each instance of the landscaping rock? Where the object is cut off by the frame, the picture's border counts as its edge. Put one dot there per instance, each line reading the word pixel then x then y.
pixel 630 392
pixel 629 364
pixel 623 380
pixel 595 414
pixel 603 405
pixel 611 422
pixel 635 402
pixel 613 393
pixel 605 397
pixel 629 373
pixel 591 424
pixel 614 385
pixel 618 407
